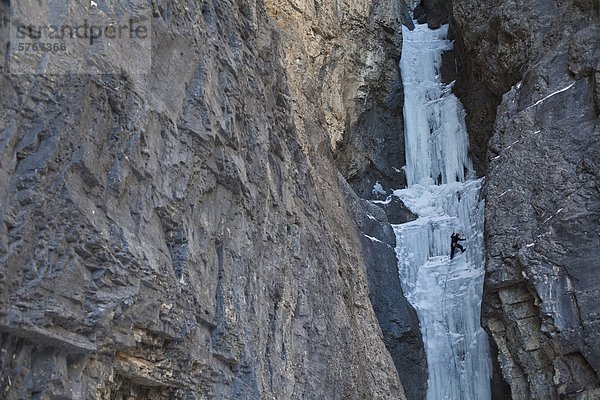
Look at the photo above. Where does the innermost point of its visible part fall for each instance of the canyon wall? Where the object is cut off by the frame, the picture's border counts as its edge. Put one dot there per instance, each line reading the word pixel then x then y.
pixel 186 234
pixel 542 59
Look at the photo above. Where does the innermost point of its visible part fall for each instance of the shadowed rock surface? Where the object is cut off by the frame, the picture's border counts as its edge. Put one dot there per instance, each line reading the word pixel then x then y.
pixel 396 211
pixel 542 191
pixel 433 12
pixel 372 151
pixel 397 318
pixel 185 235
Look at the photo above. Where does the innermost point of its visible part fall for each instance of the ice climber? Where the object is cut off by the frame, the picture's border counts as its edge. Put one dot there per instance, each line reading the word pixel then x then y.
pixel 455 237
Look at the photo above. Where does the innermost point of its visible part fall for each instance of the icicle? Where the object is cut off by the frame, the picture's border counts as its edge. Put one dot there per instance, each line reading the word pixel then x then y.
pixel 436 149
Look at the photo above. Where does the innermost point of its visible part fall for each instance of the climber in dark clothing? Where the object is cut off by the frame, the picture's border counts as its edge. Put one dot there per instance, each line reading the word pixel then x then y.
pixel 455 237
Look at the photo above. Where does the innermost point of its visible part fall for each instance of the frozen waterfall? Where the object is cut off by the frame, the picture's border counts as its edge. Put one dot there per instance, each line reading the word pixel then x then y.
pixel 443 192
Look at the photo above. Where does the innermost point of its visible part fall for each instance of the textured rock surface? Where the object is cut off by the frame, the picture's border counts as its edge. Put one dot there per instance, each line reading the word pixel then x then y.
pixel 186 236
pixel 543 193
pixel 372 149
pixel 363 115
pixel 397 318
pixel 396 211
pixel 433 12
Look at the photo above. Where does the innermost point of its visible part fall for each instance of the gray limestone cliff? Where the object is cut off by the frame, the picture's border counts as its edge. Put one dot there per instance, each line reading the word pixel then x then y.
pixel 185 235
pixel 539 64
pixel 372 149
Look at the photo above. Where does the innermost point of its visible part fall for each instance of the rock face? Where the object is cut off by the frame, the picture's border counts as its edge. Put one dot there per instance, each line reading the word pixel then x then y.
pixel 464 73
pixel 543 189
pixel 185 236
pixel 372 149
pixel 365 138
pixel 398 320
pixel 433 12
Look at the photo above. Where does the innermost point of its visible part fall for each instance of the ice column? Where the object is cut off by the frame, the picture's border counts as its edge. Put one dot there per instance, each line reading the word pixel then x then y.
pixel 435 133
pixel 442 191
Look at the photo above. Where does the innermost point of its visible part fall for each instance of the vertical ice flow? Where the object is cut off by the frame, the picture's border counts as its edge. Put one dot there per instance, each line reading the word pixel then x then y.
pixel 436 140
pixel 442 191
